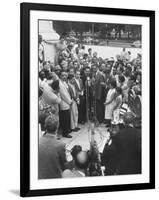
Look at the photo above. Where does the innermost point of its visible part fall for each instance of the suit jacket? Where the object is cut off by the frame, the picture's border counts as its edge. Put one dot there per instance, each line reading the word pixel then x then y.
pixel 50 97
pixel 99 79
pixel 51 157
pixel 65 97
pixel 124 154
pixel 73 92
pixel 78 89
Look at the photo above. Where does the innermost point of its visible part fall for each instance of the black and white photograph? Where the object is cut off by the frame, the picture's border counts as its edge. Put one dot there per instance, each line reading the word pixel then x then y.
pixel 87 99
pixel 90 99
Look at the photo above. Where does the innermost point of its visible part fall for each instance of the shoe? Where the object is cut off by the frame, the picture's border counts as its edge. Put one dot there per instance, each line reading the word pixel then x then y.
pixel 69 131
pixel 73 130
pixel 77 129
pixel 68 136
pixel 58 137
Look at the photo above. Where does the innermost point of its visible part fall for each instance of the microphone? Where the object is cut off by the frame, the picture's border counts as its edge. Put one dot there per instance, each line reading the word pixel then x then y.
pixel 88 80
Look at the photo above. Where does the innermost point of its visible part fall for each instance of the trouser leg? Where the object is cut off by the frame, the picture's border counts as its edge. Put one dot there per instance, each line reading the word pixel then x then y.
pixel 65 121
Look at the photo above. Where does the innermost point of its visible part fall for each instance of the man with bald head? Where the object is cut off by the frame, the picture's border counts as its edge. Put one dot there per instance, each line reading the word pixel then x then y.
pixel 81 162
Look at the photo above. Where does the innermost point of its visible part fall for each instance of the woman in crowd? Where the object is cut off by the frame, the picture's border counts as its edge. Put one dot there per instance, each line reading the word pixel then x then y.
pixel 109 103
pixel 117 105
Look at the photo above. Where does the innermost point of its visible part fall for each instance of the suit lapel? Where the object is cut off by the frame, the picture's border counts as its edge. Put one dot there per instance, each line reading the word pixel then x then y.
pixel 76 85
pixel 66 89
pixel 81 84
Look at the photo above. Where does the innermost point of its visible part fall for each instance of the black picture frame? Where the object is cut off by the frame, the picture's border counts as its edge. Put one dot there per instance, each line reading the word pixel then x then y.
pixel 25 9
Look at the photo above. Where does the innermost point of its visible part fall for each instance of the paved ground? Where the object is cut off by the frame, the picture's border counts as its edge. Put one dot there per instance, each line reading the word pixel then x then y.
pixel 83 137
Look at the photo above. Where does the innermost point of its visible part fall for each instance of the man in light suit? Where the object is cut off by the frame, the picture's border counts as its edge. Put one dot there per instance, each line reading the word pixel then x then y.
pixel 80 90
pixel 65 104
pixel 51 156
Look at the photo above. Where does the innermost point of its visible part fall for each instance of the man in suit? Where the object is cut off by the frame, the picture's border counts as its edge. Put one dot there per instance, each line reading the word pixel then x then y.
pixel 75 102
pixel 99 83
pixel 123 156
pixel 87 102
pixel 51 95
pixel 51 156
pixel 49 101
pixel 80 91
pixel 65 104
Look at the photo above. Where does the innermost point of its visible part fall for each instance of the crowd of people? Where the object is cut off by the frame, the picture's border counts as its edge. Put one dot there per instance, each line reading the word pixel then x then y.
pixel 77 88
